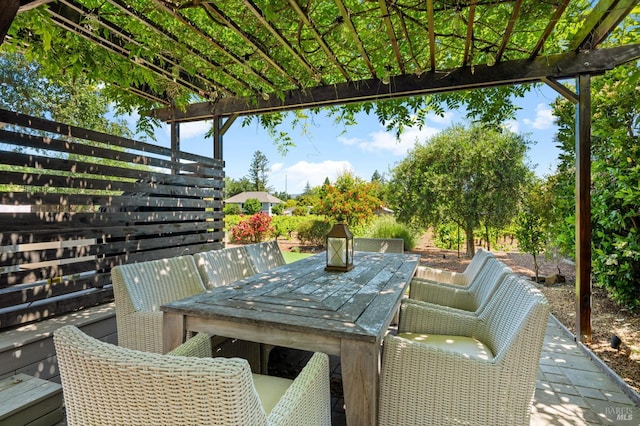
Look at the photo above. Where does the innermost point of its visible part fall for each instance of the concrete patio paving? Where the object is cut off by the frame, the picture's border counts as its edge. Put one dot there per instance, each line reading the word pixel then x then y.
pixel 573 389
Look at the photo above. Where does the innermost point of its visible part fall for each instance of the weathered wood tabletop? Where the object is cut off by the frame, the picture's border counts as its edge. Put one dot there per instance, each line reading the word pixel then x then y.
pixel 302 306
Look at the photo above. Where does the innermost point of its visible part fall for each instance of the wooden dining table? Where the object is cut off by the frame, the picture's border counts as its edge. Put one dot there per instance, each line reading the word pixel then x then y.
pixel 302 306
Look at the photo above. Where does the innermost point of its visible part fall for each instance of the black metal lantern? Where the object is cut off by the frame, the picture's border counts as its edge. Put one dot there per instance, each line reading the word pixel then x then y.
pixel 339 249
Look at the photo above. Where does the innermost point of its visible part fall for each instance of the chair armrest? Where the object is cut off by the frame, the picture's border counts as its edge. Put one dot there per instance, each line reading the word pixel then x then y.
pixel 427 318
pixel 441 276
pixel 141 331
pixel 454 296
pixel 197 346
pixel 308 399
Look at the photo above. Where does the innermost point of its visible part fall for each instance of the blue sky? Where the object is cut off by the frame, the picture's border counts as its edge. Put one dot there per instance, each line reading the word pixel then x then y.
pixel 327 151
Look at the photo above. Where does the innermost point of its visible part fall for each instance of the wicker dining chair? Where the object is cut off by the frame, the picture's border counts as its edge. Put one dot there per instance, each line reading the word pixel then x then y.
pixel 111 385
pixel 379 245
pixel 265 255
pixel 454 297
pixel 459 278
pixel 454 368
pixel 141 288
pixel 222 267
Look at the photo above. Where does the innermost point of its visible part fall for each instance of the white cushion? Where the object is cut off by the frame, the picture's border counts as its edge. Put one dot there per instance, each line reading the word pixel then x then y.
pixel 468 346
pixel 270 389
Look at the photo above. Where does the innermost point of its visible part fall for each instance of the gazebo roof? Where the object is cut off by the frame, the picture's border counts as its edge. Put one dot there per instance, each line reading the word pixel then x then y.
pixel 238 57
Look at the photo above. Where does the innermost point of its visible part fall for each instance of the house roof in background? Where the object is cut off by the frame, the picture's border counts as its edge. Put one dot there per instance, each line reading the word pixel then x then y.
pixel 263 197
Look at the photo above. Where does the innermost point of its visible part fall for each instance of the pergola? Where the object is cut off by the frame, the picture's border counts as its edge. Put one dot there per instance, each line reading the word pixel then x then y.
pixel 193 60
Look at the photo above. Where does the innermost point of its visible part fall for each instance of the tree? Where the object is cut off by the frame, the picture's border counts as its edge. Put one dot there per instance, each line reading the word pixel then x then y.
pixel 533 220
pixel 350 200
pixel 282 195
pixel 25 88
pixel 472 177
pixel 233 187
pixel 258 172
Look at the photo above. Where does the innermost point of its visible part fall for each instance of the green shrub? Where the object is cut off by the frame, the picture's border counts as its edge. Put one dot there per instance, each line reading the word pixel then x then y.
pixel 252 206
pixel 286 225
pixel 387 227
pixel 300 211
pixel 231 220
pixel 277 209
pixel 313 232
pixel 230 209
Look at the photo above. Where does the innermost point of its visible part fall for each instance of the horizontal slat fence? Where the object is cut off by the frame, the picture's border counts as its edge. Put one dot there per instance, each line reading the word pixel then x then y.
pixel 75 202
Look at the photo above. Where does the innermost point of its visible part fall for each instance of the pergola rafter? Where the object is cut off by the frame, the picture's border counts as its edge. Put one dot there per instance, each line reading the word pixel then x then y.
pixel 509 30
pixel 549 28
pixel 606 15
pixel 214 11
pixel 318 38
pixel 392 35
pixel 469 39
pixel 72 16
pixel 170 38
pixel 346 20
pixel 213 43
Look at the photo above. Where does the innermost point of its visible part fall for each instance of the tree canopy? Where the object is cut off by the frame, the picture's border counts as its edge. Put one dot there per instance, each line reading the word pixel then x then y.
pixel 26 88
pixel 470 176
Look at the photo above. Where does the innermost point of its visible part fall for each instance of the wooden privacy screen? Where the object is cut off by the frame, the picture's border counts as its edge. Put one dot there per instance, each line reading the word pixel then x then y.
pixel 76 202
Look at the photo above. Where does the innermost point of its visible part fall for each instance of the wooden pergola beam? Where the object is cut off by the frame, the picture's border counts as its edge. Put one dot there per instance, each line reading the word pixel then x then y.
pixel 606 15
pixel 468 43
pixel 507 32
pixel 583 209
pixel 8 11
pixel 558 67
pixel 392 35
pixel 318 38
pixel 354 35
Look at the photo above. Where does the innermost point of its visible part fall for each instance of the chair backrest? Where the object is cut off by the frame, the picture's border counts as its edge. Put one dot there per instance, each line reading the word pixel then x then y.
pixel 145 286
pixel 107 384
pixel 265 255
pixel 476 264
pixel 222 267
pixel 487 281
pixel 379 245
pixel 514 322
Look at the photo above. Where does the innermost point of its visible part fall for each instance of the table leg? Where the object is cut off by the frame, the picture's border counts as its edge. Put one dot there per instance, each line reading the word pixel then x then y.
pixel 172 331
pixel 360 363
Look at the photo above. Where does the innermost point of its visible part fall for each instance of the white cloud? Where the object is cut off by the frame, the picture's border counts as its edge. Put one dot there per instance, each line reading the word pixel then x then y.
pixel 512 125
pixel 297 176
pixel 444 120
pixel 543 119
pixel 276 167
pixel 191 129
pixel 383 141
